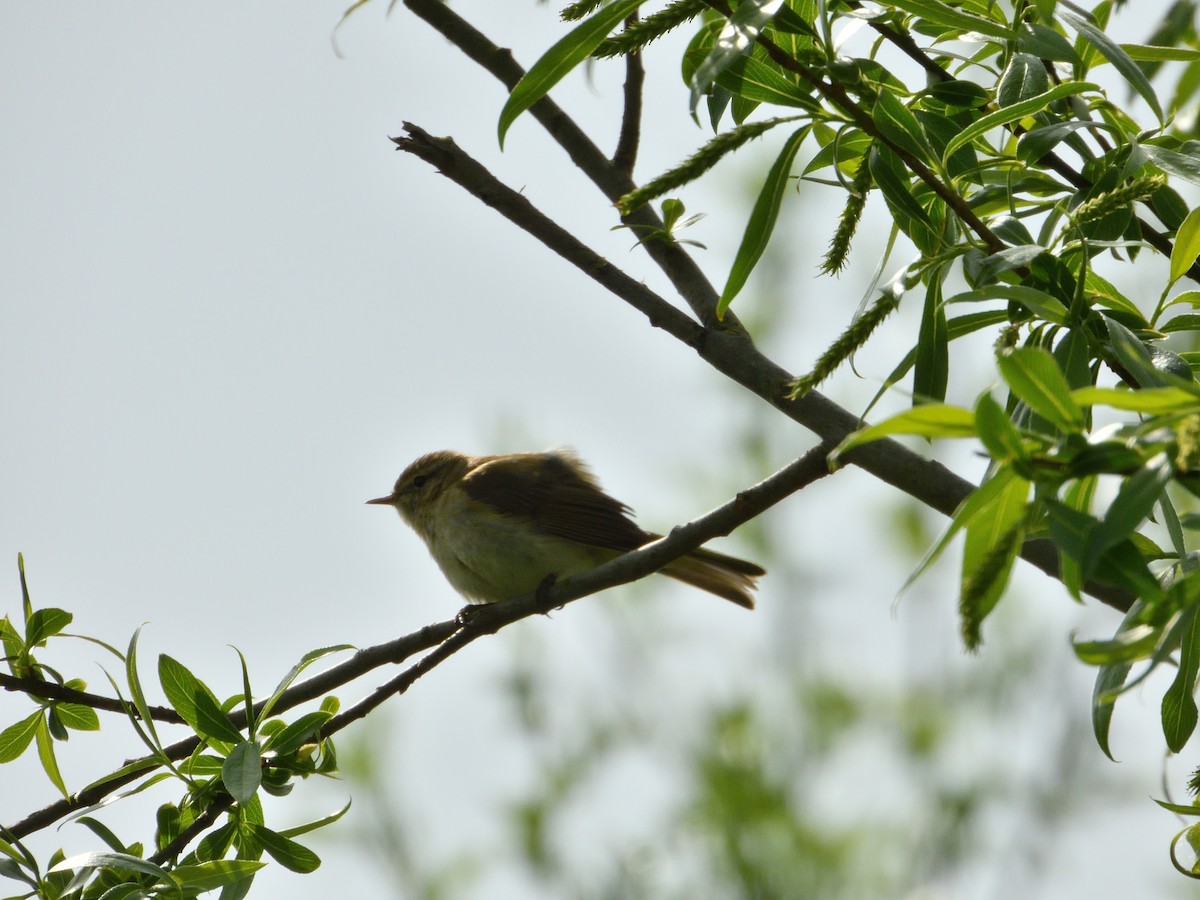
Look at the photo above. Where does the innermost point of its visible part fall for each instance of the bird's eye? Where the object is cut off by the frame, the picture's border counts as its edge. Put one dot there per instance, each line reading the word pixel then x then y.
pixel 419 481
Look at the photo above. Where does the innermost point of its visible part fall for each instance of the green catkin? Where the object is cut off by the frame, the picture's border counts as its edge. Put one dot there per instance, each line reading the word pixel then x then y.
pixel 839 246
pixel 698 163
pixel 638 35
pixel 847 343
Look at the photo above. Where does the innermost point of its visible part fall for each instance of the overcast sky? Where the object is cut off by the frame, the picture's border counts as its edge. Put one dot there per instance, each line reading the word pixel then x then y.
pixel 231 313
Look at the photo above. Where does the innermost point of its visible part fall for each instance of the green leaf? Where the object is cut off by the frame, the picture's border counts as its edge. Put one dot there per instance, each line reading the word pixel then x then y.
pixel 1185 165
pixel 1179 703
pixel 997 432
pixel 940 13
pixel 78 716
pixel 898 125
pixel 286 852
pixel 1130 645
pixel 294 672
pixel 192 699
pixel 735 41
pixel 762 221
pixel 560 59
pixel 895 183
pixel 1046 43
pixel 1150 401
pixel 45 746
pixel 1109 682
pixel 1121 565
pixel 291 738
pixel 136 693
pixel 1134 355
pixel 242 771
pixel 933 349
pixel 1147 53
pixel 208 876
pixel 122 861
pixel 1118 57
pixel 45 623
pixel 932 420
pixel 1024 77
pixel 1187 245
pixel 1133 504
pixel 993 540
pixel 1017 111
pixel 1041 304
pixel 1037 142
pixel 298 830
pixel 16 737
pixel 1034 376
pixel 762 81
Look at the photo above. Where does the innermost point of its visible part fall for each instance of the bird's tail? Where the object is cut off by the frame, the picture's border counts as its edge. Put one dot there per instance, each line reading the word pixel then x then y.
pixel 725 576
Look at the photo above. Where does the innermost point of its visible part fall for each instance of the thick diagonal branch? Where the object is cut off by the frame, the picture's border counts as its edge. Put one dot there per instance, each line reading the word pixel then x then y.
pixel 730 352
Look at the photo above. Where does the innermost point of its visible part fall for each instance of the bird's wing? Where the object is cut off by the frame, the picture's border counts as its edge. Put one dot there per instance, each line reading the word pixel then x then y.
pixel 557 495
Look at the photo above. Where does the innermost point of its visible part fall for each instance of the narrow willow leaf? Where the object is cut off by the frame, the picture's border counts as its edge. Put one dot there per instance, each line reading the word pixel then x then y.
pixel 1146 53
pixel 1033 375
pixel 298 830
pixel 138 696
pixel 1187 245
pixel 933 349
pixel 208 876
pixel 993 541
pixel 45 747
pixel 1043 305
pixel 1133 504
pixel 1119 58
pixel 895 183
pixel 997 432
pixel 1024 77
pixel 976 503
pixel 1134 356
pixel 122 861
pixel 17 737
pixel 560 59
pixel 762 220
pixel 1109 682
pixel 932 420
pixel 940 13
pixel 294 672
pixel 898 124
pixel 1150 401
pixel 45 623
pixel 1179 712
pixel 1015 112
pixel 242 772
pixel 1185 165
pixel 763 81
pixel 287 852
pixel 1121 565
pixel 735 41
pixel 290 739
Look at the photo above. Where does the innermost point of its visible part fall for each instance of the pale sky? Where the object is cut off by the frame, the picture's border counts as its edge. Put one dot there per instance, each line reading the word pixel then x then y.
pixel 232 313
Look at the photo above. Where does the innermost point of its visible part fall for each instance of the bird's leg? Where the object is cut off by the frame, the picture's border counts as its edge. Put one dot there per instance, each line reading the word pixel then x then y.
pixel 542 594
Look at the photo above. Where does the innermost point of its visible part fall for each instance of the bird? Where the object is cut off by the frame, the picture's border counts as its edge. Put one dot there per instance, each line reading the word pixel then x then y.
pixel 501 526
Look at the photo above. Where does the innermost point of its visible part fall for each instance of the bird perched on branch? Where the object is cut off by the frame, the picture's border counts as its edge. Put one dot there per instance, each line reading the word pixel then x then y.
pixel 500 526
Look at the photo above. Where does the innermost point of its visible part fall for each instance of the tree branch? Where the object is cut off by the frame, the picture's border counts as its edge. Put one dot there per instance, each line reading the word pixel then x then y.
pixel 731 353
pixel 47 690
pixel 631 120
pixel 481 620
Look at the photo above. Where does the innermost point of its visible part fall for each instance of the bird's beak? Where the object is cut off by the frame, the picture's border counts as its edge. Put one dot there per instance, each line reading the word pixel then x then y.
pixel 384 501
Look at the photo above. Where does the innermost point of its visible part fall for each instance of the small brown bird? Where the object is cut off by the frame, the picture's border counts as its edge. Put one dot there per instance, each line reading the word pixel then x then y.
pixel 498 526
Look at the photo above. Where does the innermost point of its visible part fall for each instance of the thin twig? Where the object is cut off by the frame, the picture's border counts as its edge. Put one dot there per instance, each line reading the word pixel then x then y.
pixel 47 690
pixel 625 155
